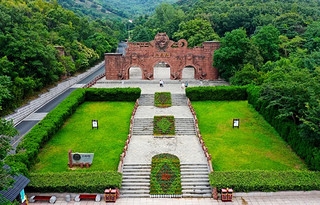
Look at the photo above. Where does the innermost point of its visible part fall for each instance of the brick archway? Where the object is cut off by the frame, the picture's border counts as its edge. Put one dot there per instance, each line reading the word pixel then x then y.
pixel 147 54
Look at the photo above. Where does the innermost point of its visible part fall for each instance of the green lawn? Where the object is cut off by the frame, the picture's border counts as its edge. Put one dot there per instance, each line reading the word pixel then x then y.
pixel 254 146
pixel 77 134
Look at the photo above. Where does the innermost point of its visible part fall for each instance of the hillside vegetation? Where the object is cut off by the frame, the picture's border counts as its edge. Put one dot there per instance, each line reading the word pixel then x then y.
pixel 93 8
pixel 29 61
pixel 274 45
pixel 113 9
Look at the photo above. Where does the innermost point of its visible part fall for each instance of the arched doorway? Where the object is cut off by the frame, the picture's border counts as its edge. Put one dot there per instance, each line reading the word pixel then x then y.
pixel 188 72
pixel 161 71
pixel 135 73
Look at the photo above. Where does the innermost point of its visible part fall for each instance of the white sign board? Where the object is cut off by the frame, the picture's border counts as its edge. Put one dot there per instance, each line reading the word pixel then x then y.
pixel 82 157
pixel 236 123
pixel 94 124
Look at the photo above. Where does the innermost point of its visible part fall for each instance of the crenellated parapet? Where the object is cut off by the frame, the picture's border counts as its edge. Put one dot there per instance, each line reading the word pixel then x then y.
pixel 177 54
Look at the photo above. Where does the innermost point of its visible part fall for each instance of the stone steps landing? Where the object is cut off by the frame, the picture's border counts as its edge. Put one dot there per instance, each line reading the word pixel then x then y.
pixel 144 126
pixel 195 180
pixel 135 181
pixel 177 100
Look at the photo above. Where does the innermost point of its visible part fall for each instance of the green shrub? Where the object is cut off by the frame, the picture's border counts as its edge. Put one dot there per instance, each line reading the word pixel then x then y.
pixel 165 175
pixel 75 182
pixel 245 181
pixel 288 130
pixel 218 93
pixel 112 94
pixel 163 125
pixel 162 99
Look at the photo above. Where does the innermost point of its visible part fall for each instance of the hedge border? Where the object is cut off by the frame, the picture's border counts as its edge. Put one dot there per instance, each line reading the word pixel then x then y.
pixel 266 181
pixel 29 148
pixel 217 93
pixel 85 182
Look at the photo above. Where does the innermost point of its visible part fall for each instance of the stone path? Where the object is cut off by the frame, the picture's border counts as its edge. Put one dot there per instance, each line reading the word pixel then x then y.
pixel 143 145
pixel 253 198
pixel 152 86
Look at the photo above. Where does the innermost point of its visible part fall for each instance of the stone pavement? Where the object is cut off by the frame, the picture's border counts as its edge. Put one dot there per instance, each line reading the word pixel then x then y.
pixel 152 86
pixel 143 148
pixel 253 198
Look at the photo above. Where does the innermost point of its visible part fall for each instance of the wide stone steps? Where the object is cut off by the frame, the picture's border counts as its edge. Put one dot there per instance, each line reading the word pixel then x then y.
pixel 135 180
pixel 195 180
pixel 176 100
pixel 144 126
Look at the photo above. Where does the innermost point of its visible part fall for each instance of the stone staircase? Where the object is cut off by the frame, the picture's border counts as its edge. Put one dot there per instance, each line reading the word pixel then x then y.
pixel 135 180
pixel 146 100
pixel 144 126
pixel 195 180
pixel 185 126
pixel 177 100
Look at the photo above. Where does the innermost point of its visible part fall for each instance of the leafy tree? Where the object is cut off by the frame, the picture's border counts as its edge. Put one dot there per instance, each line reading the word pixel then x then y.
pixel 288 46
pixel 142 34
pixel 253 57
pixel 290 24
pixel 288 89
pixel 5 84
pixel 312 36
pixel 267 40
pixel 247 75
pixel 7 131
pixel 195 32
pixel 166 19
pixel 310 127
pixel 29 32
pixel 229 58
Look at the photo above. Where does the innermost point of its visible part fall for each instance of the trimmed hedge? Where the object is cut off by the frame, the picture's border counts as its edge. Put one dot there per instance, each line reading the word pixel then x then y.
pixel 75 182
pixel 217 93
pixel 112 94
pixel 28 149
pixel 286 129
pixel 246 181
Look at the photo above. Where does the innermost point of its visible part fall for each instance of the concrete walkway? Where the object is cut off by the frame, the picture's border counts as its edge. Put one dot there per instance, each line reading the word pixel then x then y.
pixel 152 86
pixel 253 198
pixel 142 148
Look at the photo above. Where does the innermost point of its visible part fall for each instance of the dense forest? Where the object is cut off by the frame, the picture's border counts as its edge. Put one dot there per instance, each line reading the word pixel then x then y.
pixel 112 9
pixel 29 33
pixel 274 45
pixel 96 9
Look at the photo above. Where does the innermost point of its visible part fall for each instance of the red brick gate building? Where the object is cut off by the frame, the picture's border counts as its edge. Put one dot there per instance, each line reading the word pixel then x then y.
pixel 176 54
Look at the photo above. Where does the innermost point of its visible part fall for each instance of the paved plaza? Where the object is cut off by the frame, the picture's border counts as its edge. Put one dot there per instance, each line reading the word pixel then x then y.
pixel 254 198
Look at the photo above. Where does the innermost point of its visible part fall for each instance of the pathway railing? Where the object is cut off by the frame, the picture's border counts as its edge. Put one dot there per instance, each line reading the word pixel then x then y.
pixel 123 154
pixel 94 81
pixel 204 148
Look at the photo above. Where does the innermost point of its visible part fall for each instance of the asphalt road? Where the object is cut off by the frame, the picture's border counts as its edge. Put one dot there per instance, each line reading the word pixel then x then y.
pixel 25 126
